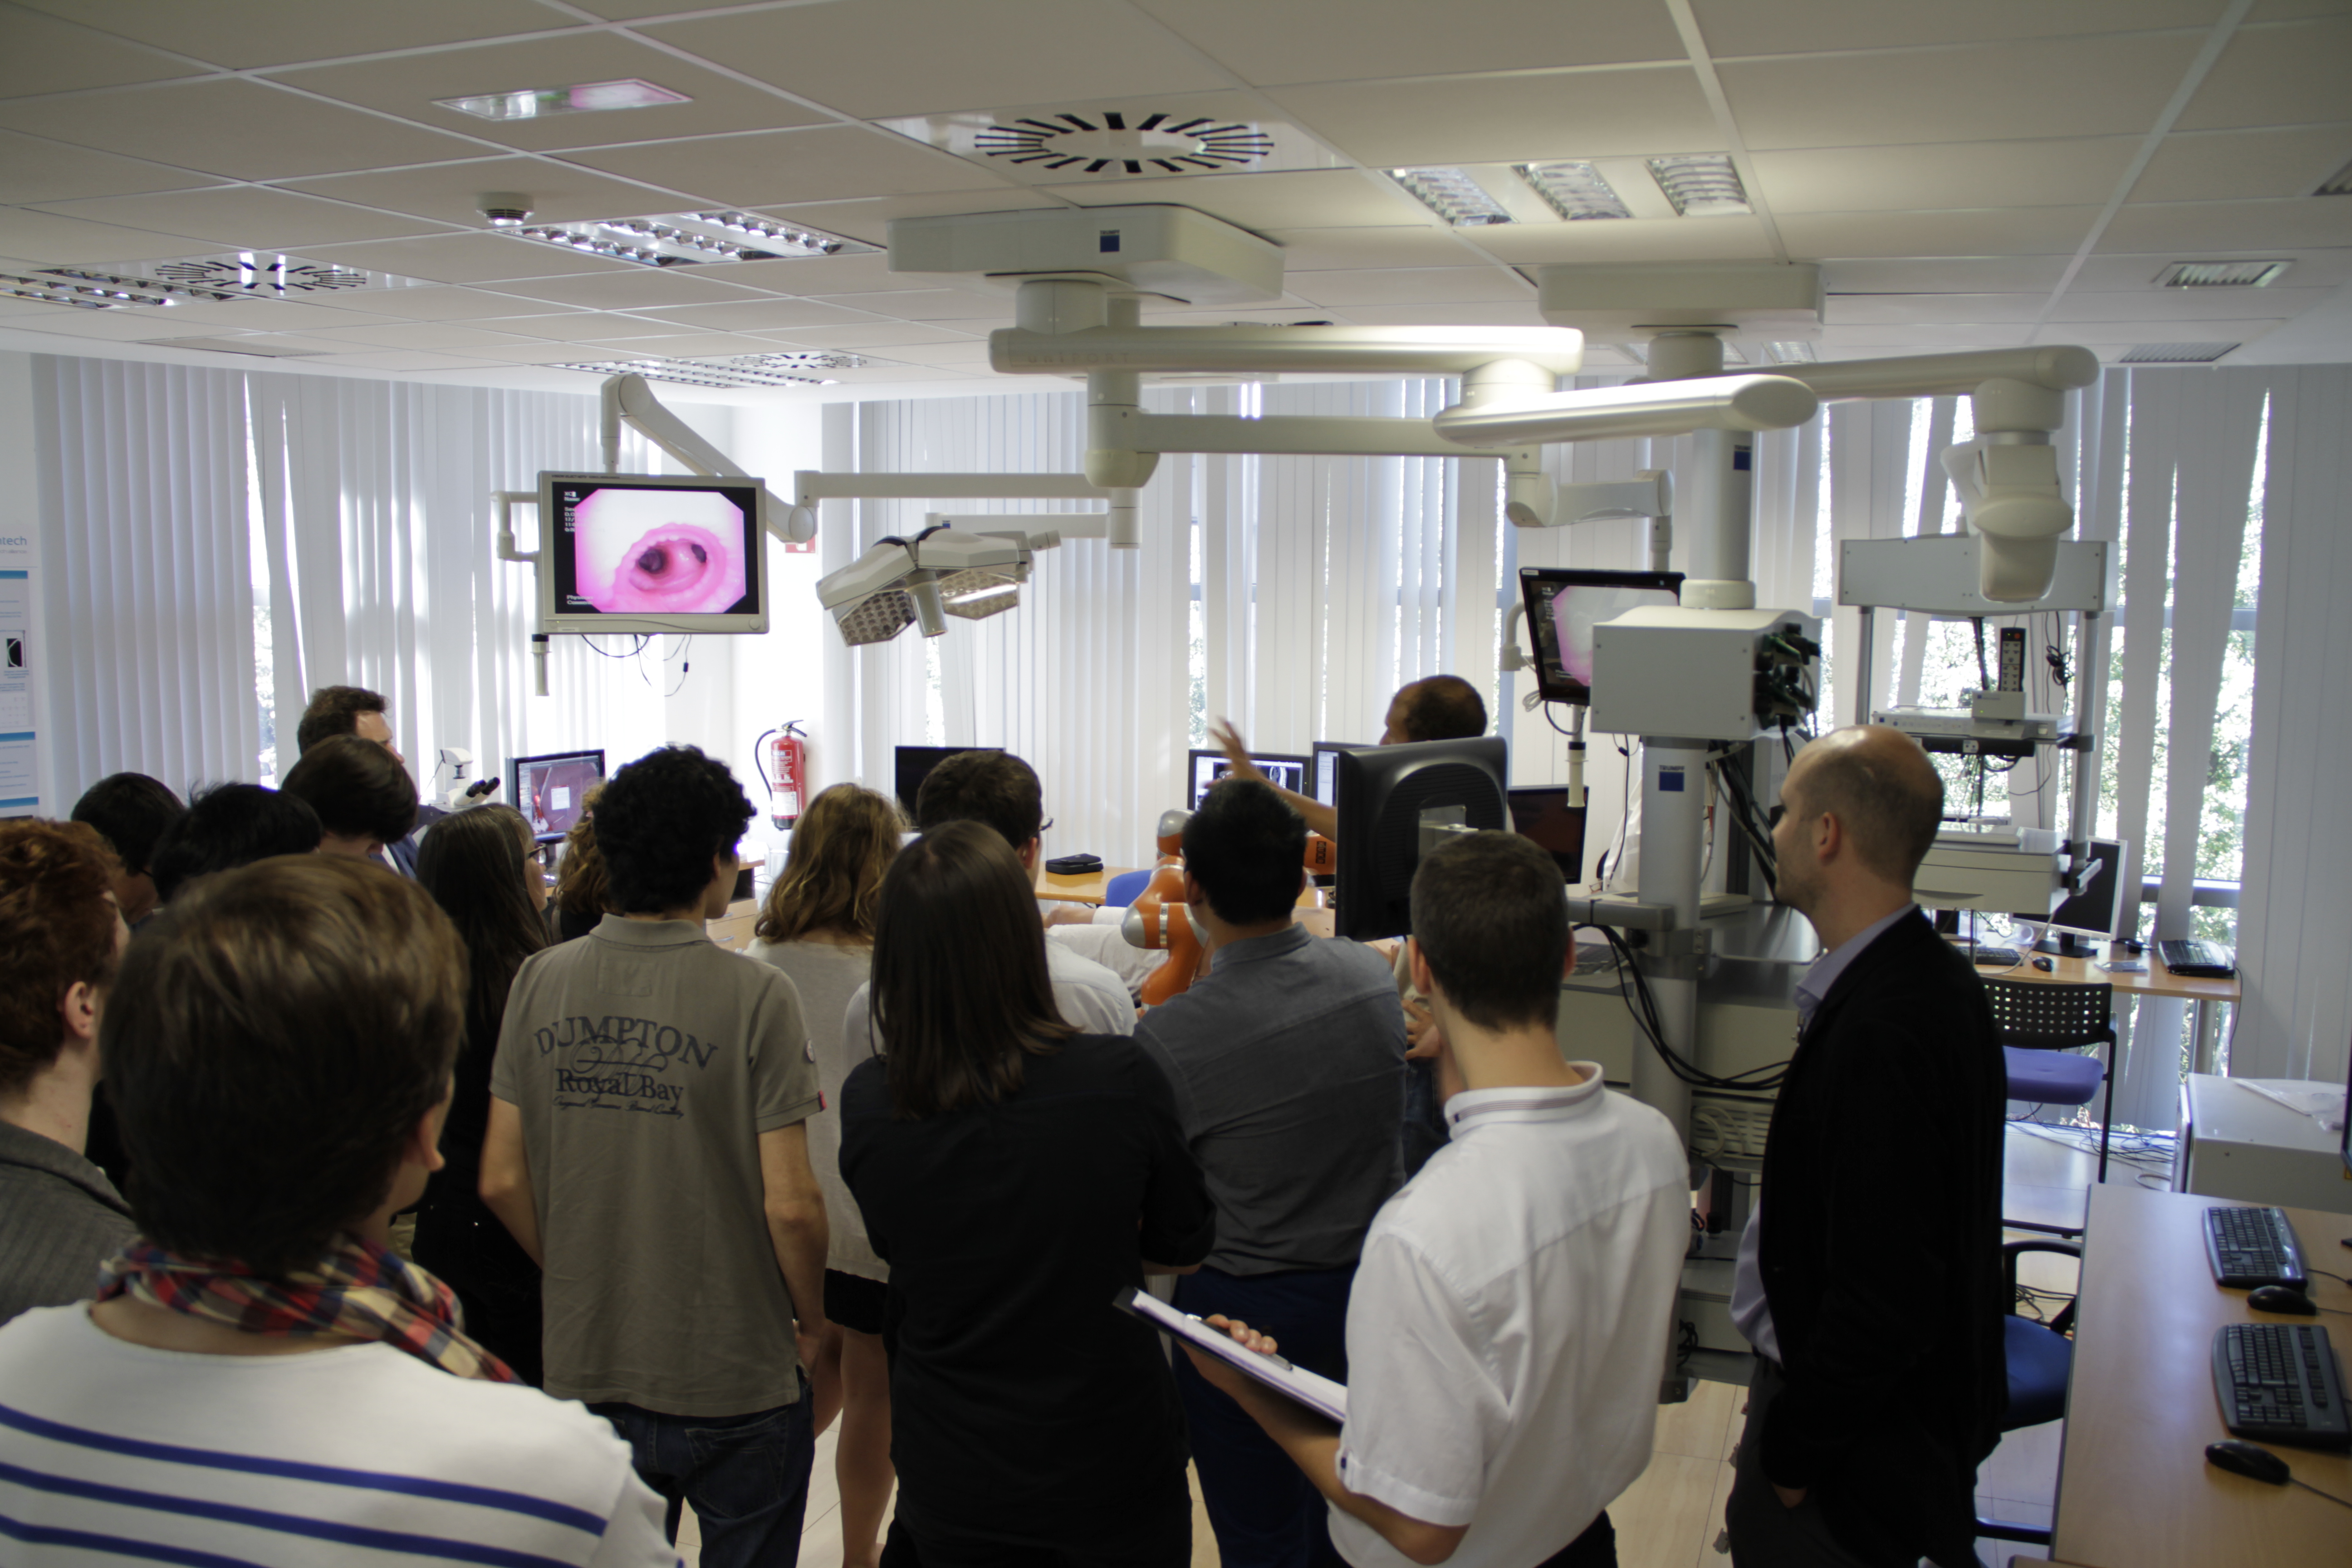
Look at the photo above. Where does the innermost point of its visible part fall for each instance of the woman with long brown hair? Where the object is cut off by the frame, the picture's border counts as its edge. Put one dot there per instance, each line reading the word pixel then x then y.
pixel 817 926
pixel 1016 1174
pixel 580 878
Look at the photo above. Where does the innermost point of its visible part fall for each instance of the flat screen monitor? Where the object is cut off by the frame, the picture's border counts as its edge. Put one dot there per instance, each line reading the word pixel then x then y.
pixel 2347 1136
pixel 1563 606
pixel 2089 913
pixel 1327 770
pixel 914 764
pixel 552 790
pixel 1544 816
pixel 1387 793
pixel 1292 772
pixel 644 553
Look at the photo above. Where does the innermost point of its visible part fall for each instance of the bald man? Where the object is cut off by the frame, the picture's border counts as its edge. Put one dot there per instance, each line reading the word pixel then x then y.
pixel 1870 1276
pixel 1438 708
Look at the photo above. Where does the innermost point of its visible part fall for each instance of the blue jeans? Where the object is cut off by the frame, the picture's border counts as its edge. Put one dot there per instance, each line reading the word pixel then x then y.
pixel 747 1476
pixel 1265 1513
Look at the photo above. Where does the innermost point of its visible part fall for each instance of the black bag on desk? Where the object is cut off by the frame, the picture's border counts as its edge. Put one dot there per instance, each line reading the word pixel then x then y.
pixel 1075 866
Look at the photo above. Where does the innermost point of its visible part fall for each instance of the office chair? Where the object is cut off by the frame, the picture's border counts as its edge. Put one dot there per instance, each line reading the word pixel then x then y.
pixel 1121 890
pixel 2041 1024
pixel 2041 1360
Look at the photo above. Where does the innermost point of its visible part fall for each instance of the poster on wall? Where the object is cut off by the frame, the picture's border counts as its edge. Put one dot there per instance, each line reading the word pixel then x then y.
pixel 20 790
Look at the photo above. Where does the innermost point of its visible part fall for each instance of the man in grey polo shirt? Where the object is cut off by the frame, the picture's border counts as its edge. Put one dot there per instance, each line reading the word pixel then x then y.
pixel 1287 1061
pixel 646 1146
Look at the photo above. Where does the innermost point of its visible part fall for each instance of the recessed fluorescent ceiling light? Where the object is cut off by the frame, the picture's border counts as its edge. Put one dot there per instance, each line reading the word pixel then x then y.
pixel 588 98
pixel 1790 353
pixel 1574 190
pixel 733 371
pixel 2222 274
pixel 2338 183
pixel 107 296
pixel 2177 354
pixel 1452 195
pixel 688 239
pixel 1702 184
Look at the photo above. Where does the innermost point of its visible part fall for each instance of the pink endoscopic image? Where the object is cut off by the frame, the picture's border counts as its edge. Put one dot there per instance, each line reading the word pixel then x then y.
pixel 658 553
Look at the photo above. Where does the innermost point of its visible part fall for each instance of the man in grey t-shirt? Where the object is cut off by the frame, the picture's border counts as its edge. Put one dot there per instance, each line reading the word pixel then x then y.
pixel 1287 1060
pixel 646 1146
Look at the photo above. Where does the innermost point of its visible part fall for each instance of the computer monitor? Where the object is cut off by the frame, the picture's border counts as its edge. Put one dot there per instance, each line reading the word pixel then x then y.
pixel 552 791
pixel 1327 770
pixel 914 764
pixel 1544 816
pixel 1386 795
pixel 645 554
pixel 1205 768
pixel 1563 606
pixel 2090 913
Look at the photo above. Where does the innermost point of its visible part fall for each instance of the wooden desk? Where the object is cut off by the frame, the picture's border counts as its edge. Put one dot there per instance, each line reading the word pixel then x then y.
pixel 2155 981
pixel 2134 1488
pixel 1090 888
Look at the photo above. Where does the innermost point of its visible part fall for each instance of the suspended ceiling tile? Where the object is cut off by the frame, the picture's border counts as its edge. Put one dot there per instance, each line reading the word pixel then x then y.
pixel 469 259
pixel 1337 198
pixel 2291 10
pixel 963 354
pixel 1965 175
pixel 690 345
pixel 414 87
pixel 524 352
pixel 242 34
pixel 2054 88
pixel 452 304
pixel 2218 165
pixel 2098 334
pixel 446 192
pixel 1508 118
pixel 438 335
pixel 2160 225
pixel 807 275
pixel 226 126
pixel 1629 239
pixel 1804 27
pixel 1923 335
pixel 355 310
pixel 264 344
pixel 570 327
pixel 638 287
pixel 2021 231
pixel 1433 285
pixel 1269 44
pixel 30 236
pixel 33 170
pixel 934 305
pixel 766 315
pixel 1349 249
pixel 2187 304
pixel 399 359
pixel 1868 309
pixel 113 326
pixel 771 168
pixel 2283 75
pixel 44 54
pixel 868 220
pixel 856 58
pixel 630 10
pixel 867 335
pixel 1943 274
pixel 1525 315
pixel 247 217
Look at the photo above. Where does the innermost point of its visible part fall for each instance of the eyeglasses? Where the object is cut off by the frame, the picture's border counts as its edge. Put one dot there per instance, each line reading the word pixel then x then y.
pixel 1045 827
pixel 1772 817
pixel 542 855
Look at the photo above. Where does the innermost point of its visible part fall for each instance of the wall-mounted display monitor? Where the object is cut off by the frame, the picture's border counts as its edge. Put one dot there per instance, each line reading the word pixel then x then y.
pixel 914 764
pixel 1564 606
pixel 1387 796
pixel 1327 770
pixel 643 554
pixel 1205 768
pixel 1544 816
pixel 552 790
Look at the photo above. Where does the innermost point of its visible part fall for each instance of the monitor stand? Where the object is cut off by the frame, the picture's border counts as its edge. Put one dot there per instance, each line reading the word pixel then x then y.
pixel 2069 944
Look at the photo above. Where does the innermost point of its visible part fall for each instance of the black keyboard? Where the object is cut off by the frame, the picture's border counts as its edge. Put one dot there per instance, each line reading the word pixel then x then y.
pixel 2197 960
pixel 2250 1247
pixel 2007 957
pixel 2279 1384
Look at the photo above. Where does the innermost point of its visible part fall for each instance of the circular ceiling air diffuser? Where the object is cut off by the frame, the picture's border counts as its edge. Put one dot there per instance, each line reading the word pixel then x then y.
pixel 1108 145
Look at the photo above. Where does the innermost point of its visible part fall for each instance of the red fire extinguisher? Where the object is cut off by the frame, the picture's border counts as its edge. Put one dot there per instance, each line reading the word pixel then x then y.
pixel 787 763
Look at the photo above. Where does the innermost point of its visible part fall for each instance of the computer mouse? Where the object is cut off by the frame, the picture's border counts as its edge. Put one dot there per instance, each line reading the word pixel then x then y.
pixel 2279 1299
pixel 2044 966
pixel 2246 1458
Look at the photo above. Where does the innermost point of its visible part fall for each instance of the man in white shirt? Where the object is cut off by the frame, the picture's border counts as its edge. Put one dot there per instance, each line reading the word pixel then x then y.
pixel 1512 1309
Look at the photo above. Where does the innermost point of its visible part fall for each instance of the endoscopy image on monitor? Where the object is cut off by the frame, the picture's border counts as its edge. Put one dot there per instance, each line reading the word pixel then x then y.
pixel 1290 773
pixel 1563 606
pixel 552 791
pixel 641 554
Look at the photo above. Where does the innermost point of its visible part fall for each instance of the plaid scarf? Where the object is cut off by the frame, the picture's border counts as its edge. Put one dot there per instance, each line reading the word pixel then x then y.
pixel 358 1289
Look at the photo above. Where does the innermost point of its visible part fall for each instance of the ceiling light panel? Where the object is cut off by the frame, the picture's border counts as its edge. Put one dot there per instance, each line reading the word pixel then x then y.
pixel 236 275
pixel 587 98
pixel 1702 184
pixel 2177 354
pixel 2222 274
pixel 690 239
pixel 1575 190
pixel 1094 141
pixel 87 296
pixel 732 371
pixel 1452 196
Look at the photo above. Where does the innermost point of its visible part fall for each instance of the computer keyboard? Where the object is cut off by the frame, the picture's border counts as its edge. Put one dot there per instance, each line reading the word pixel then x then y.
pixel 2197 960
pixel 2279 1384
pixel 2250 1247
pixel 2007 957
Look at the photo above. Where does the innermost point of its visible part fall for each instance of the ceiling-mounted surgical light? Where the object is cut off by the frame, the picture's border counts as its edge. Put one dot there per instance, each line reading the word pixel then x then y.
pixel 1452 196
pixel 923 580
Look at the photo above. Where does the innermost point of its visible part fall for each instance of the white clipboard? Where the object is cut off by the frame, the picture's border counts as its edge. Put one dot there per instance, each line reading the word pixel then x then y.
pixel 1318 1393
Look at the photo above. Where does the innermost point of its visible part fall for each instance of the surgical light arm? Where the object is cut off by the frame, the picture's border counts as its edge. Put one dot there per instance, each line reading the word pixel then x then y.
pixel 627 399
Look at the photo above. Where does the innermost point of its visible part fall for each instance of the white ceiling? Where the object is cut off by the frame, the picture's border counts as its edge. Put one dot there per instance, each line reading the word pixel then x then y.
pixel 2006 172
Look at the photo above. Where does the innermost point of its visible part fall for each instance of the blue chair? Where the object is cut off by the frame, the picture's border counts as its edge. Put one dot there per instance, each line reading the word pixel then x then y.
pixel 2041 1361
pixel 1122 890
pixel 2042 1025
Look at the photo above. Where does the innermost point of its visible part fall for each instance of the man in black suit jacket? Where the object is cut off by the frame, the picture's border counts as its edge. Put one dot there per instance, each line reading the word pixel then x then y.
pixel 1871 1278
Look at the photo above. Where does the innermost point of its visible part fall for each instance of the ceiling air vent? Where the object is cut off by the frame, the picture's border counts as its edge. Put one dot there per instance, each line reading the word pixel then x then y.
pixel 2221 274
pixel 2177 354
pixel 733 371
pixel 1109 142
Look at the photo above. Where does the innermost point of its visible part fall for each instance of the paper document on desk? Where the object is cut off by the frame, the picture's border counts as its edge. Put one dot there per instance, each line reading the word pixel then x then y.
pixel 2323 1102
pixel 1314 1391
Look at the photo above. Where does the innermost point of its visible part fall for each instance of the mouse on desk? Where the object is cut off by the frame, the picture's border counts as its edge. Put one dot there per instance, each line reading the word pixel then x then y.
pixel 2248 1459
pixel 2282 1299
pixel 2044 966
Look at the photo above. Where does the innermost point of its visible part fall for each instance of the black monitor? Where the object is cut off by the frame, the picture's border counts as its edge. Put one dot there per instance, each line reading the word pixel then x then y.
pixel 1545 816
pixel 647 553
pixel 2347 1116
pixel 2090 913
pixel 1563 606
pixel 1205 768
pixel 915 764
pixel 1327 770
pixel 1386 794
pixel 552 790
